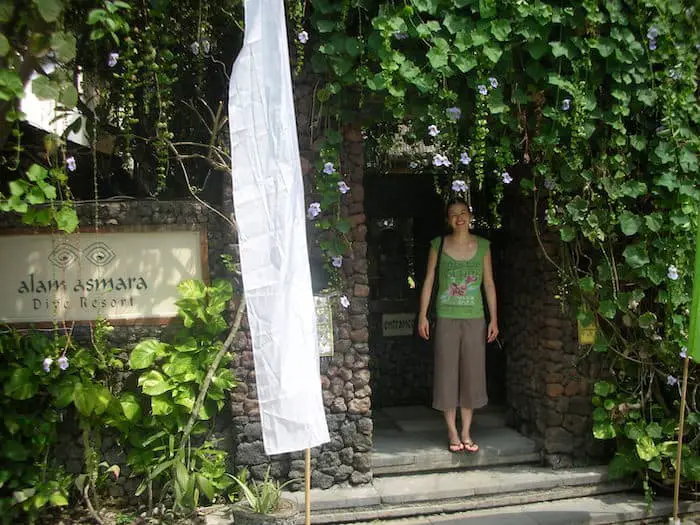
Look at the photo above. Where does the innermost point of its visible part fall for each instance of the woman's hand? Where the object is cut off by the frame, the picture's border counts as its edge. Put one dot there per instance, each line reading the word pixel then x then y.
pixel 423 327
pixel 492 331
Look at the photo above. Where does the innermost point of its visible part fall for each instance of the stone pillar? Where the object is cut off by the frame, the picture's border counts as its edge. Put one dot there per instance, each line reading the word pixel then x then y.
pixel 548 385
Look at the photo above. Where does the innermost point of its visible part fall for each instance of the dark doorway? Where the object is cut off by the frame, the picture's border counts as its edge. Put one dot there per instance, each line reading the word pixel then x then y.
pixel 404 213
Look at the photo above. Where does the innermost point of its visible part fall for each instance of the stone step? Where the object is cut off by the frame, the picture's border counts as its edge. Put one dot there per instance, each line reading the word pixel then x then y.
pixel 600 510
pixel 407 496
pixel 421 494
pixel 398 452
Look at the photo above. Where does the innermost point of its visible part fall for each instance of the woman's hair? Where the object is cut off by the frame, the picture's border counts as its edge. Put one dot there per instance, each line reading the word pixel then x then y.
pixel 456 200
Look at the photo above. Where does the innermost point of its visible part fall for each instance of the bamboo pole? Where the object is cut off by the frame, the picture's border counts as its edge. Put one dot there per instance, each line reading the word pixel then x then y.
pixel 679 453
pixel 692 353
pixel 307 486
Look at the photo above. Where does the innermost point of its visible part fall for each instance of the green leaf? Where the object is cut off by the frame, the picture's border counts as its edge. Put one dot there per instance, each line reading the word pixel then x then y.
pixel 205 486
pixel 538 49
pixel 634 189
pixel 83 399
pixel 58 499
pixel 638 142
pixel 567 234
pixel 64 45
pixel 636 255
pixel 688 161
pixel 4 45
pixel 130 406
pixel 102 398
pixel 153 383
pixel 604 430
pixel 603 388
pixel 68 95
pixel 654 430
pixel 559 49
pixel 607 309
pixel 6 9
pixel 500 29
pixel 14 450
pixel 623 465
pixel 44 88
pixel 185 396
pixel 587 284
pixel 11 85
pixel 647 320
pixel 67 219
pixel 438 55
pixel 605 47
pixel 647 97
pixel 144 354
pixel 428 6
pixel 36 173
pixel 629 223
pixel 63 392
pixel 464 63
pixel 49 9
pixel 493 52
pixel 161 405
pixel 646 450
pixel 635 430
pixel 664 151
pixel 21 385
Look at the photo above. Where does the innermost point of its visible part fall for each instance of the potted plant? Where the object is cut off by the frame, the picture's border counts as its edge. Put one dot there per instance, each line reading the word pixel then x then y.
pixel 263 503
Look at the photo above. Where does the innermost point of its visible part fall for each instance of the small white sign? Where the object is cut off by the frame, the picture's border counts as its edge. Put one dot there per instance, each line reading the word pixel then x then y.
pixel 396 325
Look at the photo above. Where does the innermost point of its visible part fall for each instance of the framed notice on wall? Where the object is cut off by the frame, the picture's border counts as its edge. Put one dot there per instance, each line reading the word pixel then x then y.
pixel 128 275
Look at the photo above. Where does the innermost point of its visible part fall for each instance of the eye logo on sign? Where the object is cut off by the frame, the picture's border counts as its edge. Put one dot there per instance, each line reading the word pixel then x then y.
pixel 99 254
pixel 65 254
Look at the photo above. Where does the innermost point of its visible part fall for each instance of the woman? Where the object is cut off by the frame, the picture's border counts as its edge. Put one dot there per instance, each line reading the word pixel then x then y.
pixel 460 331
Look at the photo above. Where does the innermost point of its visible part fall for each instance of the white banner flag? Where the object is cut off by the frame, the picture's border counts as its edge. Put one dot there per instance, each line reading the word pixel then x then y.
pixel 268 195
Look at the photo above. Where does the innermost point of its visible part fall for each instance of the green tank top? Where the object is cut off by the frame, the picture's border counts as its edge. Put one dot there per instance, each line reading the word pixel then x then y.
pixel 459 290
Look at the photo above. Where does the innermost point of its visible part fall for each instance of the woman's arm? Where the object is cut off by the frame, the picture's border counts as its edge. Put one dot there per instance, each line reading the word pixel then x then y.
pixel 426 292
pixel 490 289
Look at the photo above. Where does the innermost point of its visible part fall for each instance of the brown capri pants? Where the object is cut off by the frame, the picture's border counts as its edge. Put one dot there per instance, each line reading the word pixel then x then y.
pixel 460 364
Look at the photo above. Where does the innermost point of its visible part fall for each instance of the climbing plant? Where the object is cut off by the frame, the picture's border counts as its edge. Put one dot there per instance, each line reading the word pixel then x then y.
pixel 591 110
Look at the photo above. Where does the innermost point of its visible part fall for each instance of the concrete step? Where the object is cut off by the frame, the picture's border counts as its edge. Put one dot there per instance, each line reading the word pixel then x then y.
pixel 427 494
pixel 599 510
pixel 421 450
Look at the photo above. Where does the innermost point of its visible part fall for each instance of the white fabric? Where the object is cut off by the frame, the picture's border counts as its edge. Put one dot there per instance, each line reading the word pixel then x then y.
pixel 268 195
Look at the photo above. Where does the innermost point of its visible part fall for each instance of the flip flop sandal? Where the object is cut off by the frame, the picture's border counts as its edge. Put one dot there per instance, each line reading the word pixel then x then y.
pixel 470 446
pixel 454 448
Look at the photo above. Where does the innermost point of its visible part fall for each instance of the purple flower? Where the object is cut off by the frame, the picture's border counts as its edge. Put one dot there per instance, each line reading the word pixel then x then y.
pixel 62 362
pixel 344 302
pixel 652 44
pixel 337 261
pixel 303 37
pixel 652 33
pixel 440 160
pixel 672 273
pixel 399 35
pixel 314 210
pixel 683 353
pixel 465 159
pixel 549 184
pixel 482 89
pixel 206 46
pixel 112 59
pixel 328 168
pixel 454 113
pixel 566 104
pixel 70 164
pixel 413 164
pixel 343 188
pixel 493 82
pixel 194 47
pixel 433 131
pixel 672 381
pixel 674 73
pixel 459 185
pixel 507 179
pixel 46 364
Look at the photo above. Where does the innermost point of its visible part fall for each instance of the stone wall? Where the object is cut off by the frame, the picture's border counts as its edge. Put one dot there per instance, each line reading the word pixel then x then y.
pixel 346 459
pixel 548 385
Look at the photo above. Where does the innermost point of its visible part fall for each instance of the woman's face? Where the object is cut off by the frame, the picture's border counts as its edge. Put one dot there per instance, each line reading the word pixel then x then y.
pixel 458 216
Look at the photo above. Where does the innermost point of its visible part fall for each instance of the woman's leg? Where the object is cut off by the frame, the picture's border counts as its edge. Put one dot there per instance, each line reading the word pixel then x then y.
pixel 466 414
pixel 446 378
pixel 451 421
